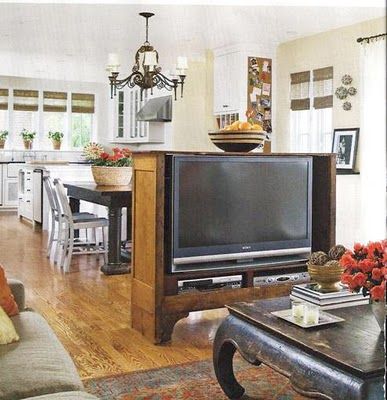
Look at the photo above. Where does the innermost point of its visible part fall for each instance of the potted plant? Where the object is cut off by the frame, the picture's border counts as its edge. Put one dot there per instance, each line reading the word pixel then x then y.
pixel 3 138
pixel 112 169
pixel 366 270
pixel 28 138
pixel 56 138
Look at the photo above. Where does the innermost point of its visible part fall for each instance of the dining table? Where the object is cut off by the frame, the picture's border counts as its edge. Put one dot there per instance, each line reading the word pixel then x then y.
pixel 114 198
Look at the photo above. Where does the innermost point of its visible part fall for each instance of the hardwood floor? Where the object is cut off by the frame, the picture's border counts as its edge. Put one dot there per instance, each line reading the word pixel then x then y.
pixel 90 312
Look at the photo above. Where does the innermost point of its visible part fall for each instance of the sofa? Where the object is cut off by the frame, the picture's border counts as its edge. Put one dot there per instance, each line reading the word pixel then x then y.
pixel 37 367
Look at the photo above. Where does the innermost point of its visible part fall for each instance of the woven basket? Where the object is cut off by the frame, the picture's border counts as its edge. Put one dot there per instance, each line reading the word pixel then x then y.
pixel 112 176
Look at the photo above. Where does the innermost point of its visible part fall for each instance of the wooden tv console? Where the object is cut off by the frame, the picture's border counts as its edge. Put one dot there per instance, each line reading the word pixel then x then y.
pixel 156 305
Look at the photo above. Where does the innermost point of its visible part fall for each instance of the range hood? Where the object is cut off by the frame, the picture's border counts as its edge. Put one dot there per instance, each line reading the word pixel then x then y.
pixel 158 109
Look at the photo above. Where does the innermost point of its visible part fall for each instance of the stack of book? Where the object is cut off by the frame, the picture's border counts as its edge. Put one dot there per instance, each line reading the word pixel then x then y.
pixel 327 301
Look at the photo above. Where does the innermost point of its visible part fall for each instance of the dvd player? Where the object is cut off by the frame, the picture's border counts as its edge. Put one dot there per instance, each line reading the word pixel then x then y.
pixel 212 283
pixel 299 277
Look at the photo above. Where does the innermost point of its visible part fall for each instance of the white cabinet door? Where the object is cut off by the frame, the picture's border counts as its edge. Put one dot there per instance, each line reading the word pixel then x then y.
pixel 10 192
pixel 227 80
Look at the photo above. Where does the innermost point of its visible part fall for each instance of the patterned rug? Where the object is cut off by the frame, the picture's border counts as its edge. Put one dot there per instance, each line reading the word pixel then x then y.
pixel 195 380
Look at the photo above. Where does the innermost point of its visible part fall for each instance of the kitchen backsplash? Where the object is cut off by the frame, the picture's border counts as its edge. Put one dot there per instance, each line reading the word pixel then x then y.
pixel 43 155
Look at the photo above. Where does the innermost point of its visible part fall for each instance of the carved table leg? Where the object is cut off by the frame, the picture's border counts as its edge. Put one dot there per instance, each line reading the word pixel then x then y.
pixel 223 356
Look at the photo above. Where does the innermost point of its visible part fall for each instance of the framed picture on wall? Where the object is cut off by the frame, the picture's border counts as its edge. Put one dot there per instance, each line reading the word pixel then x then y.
pixel 344 144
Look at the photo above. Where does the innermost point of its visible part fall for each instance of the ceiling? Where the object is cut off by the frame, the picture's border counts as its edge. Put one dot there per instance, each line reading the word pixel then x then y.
pixel 71 41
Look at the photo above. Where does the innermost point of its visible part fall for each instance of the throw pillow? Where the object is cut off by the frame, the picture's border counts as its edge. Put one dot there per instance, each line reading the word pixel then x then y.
pixel 7 330
pixel 7 301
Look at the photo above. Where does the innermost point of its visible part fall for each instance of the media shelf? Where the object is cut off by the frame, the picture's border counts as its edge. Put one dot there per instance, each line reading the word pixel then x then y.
pixel 156 302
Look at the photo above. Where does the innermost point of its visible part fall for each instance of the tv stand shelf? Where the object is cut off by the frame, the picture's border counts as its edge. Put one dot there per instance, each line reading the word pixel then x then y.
pixel 156 304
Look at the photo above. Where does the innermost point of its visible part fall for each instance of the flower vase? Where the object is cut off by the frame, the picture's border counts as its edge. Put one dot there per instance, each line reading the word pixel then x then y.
pixel 27 144
pixel 379 311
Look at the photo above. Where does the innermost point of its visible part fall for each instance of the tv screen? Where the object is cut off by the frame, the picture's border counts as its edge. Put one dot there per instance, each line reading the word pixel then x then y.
pixel 240 204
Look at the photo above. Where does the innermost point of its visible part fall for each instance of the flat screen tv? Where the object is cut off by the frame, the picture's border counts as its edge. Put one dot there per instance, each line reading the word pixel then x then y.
pixel 238 210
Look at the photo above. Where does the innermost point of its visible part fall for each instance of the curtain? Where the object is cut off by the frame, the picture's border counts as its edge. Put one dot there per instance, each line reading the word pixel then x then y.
pixel 372 143
pixel 299 91
pixel 323 88
pixel 3 99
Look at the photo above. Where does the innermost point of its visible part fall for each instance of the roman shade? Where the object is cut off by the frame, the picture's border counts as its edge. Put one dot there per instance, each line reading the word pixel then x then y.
pixel 82 103
pixel 25 100
pixel 323 88
pixel 54 101
pixel 299 91
pixel 4 99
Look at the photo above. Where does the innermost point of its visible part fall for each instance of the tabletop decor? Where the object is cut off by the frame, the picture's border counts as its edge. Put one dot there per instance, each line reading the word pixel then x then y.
pixel 28 138
pixel 3 138
pixel 56 138
pixel 325 269
pixel 366 271
pixel 239 136
pixel 112 169
pixel 344 144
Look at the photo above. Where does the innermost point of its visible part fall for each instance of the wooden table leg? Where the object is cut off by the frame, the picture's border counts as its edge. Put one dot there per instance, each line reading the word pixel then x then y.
pixel 114 265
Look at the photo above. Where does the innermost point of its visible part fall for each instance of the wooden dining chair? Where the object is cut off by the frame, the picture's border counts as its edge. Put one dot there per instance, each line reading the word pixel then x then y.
pixel 69 224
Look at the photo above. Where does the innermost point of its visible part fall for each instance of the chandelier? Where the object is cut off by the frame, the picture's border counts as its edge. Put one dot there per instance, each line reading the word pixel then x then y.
pixel 146 73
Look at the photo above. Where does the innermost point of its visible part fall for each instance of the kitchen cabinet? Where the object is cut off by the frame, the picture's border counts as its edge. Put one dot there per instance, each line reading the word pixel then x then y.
pixel 124 108
pixel 9 185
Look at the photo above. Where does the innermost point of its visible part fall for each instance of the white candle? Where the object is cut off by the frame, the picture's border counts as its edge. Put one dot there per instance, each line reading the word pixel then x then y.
pixel 113 62
pixel 311 315
pixel 297 310
pixel 150 58
pixel 182 63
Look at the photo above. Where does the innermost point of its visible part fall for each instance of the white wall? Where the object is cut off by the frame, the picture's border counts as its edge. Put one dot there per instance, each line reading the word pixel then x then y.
pixel 337 48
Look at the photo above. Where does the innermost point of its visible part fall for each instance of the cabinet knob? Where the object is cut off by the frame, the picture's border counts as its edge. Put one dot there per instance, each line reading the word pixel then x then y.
pixel 225 105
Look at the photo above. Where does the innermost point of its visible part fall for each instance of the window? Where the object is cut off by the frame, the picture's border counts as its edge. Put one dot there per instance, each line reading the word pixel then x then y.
pixel 25 116
pixel 4 109
pixel 311 121
pixel 82 110
pixel 54 115
pixel 120 130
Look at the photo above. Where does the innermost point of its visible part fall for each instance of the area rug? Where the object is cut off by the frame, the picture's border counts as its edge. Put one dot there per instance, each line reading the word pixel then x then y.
pixel 195 380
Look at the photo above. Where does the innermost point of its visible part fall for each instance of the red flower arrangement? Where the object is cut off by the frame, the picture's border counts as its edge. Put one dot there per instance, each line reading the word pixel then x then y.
pixel 118 158
pixel 365 268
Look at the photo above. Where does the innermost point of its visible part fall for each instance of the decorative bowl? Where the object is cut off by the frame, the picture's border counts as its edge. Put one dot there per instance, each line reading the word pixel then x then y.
pixel 111 176
pixel 237 141
pixel 327 277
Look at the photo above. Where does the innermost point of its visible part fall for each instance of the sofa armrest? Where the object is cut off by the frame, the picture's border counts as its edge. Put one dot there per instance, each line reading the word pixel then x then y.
pixel 17 289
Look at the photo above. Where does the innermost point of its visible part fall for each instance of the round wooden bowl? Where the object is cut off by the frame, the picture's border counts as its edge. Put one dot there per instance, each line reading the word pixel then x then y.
pixel 237 141
pixel 326 277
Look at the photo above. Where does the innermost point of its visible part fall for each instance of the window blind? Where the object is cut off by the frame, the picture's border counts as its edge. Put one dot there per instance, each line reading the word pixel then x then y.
pixel 299 91
pixel 82 103
pixel 3 99
pixel 25 100
pixel 54 101
pixel 323 88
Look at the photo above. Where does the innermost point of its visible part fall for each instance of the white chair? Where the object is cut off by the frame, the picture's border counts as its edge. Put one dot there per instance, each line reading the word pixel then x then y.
pixel 70 224
pixel 53 202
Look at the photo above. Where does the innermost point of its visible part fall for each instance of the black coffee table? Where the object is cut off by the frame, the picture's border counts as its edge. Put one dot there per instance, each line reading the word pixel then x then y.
pixel 343 361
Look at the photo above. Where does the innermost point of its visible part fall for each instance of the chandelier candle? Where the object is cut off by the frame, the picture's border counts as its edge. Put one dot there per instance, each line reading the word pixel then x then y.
pixel 146 73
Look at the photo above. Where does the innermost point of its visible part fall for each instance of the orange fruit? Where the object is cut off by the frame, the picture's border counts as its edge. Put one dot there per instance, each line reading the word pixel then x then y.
pixel 244 126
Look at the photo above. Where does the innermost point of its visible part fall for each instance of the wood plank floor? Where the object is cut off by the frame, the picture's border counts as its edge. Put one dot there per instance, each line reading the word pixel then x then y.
pixel 90 312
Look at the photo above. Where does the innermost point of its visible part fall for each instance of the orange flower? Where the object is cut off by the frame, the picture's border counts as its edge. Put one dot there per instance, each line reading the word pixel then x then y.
pixel 377 274
pixel 374 249
pixel 346 279
pixel 357 247
pixel 378 292
pixel 366 265
pixel 347 260
pixel 359 279
pixel 104 155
